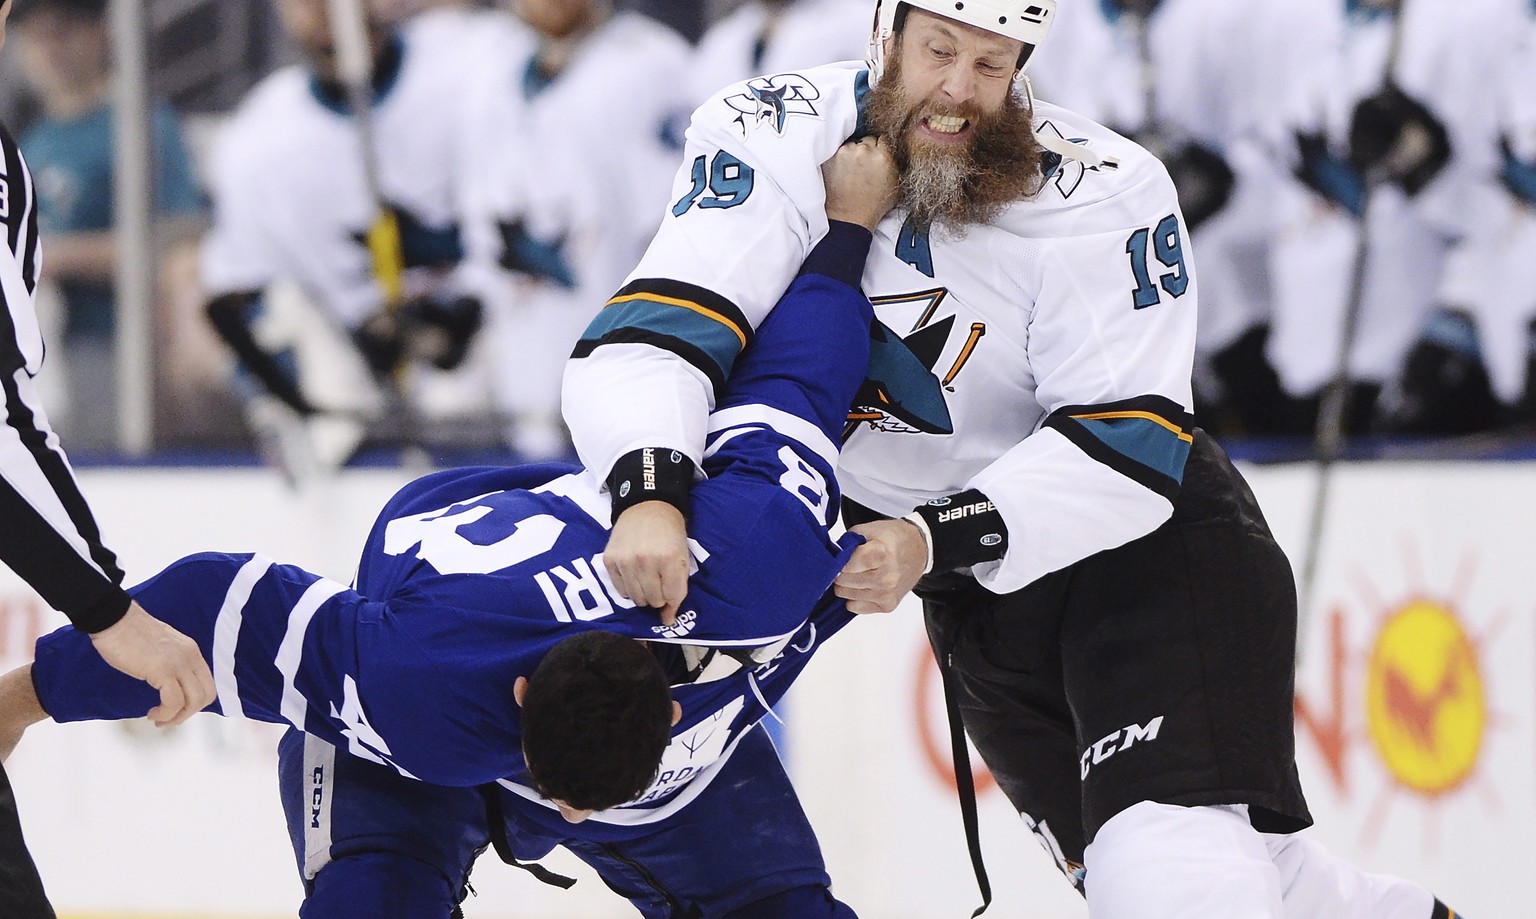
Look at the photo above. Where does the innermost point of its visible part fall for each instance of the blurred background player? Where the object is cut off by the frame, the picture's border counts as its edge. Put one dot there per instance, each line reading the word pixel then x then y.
pixel 292 207
pixel 559 208
pixel 66 57
pixel 1388 122
pixel 1194 82
pixel 1471 368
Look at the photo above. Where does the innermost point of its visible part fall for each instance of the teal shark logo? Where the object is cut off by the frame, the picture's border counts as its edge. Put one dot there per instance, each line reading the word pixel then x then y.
pixel 902 391
pixel 771 100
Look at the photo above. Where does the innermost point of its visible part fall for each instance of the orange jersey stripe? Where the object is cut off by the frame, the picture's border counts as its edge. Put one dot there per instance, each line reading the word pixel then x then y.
pixel 687 305
pixel 1145 416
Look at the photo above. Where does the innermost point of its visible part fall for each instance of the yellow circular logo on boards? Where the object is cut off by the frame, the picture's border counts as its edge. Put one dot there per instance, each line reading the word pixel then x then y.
pixel 1424 699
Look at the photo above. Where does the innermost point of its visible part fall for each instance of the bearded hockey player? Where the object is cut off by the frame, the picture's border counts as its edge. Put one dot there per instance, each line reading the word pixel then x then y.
pixel 1116 619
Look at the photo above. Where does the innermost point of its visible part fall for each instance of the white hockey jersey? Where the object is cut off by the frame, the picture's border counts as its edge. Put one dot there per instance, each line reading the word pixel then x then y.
pixel 566 182
pixel 1193 72
pixel 1443 61
pixel 1044 358
pixel 289 191
pixel 1201 71
pixel 1491 272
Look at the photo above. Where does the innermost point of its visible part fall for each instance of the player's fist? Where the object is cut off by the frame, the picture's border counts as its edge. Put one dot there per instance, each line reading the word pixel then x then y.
pixel 647 557
pixel 146 648
pixel 884 569
pixel 862 182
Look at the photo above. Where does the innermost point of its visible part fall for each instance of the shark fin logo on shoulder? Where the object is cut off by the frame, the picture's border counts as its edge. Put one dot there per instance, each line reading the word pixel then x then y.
pixel 1067 174
pixel 770 101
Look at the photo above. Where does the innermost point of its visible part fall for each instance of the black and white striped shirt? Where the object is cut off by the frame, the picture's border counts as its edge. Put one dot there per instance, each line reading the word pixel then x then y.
pixel 47 533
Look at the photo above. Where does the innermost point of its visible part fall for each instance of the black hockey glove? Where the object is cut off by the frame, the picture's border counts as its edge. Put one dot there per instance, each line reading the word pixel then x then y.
pixel 541 259
pixel 441 332
pixel 1443 388
pixel 1332 177
pixel 1525 406
pixel 1518 175
pixel 382 343
pixel 231 315
pixel 1395 133
pixel 1203 179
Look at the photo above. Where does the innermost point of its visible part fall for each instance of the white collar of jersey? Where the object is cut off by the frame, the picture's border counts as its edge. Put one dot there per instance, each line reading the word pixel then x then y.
pixel 1082 152
pixel 709 663
pixel 1066 149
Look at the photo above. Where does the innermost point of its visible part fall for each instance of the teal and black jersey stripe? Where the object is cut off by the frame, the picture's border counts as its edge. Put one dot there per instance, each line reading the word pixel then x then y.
pixel 861 99
pixel 1146 439
pixel 1441 911
pixel 698 325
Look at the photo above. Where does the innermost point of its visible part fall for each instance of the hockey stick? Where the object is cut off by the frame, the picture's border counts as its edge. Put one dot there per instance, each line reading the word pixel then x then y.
pixel 354 68
pixel 1154 134
pixel 1329 434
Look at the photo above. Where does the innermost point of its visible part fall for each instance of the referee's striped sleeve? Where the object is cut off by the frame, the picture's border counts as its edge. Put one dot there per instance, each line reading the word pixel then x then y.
pixel 47 533
pixel 21 341
pixel 18 209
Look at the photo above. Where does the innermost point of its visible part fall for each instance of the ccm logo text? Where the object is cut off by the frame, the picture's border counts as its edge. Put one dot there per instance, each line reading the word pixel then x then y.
pixel 1122 739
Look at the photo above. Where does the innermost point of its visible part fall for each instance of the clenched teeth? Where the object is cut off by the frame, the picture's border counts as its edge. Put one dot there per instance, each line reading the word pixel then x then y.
pixel 946 124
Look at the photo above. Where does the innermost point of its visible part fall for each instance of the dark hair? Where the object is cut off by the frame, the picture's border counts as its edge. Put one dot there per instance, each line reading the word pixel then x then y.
pixel 79 9
pixel 597 715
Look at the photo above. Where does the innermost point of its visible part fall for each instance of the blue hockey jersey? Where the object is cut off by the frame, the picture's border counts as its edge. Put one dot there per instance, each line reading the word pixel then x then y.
pixel 470 576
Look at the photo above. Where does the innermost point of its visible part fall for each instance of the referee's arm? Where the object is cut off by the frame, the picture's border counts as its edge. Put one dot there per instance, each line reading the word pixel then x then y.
pixel 48 535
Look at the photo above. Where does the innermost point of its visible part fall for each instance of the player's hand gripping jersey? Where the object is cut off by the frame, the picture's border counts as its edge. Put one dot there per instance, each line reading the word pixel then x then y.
pixel 470 576
pixel 1044 358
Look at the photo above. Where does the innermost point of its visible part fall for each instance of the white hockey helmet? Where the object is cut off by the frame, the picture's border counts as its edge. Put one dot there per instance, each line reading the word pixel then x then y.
pixel 1028 21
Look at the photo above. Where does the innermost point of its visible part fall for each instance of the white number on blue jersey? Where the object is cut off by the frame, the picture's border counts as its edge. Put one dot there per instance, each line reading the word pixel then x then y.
pixel 448 551
pixel 804 482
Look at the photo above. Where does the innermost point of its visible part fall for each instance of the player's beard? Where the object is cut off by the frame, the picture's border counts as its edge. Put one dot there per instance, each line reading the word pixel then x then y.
pixel 955 185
